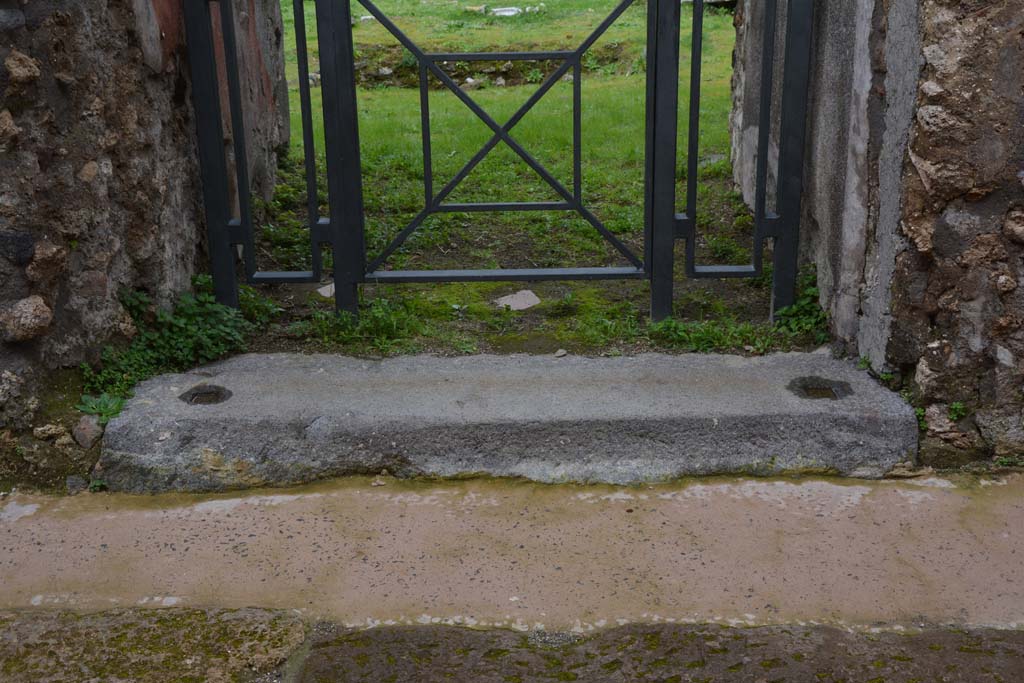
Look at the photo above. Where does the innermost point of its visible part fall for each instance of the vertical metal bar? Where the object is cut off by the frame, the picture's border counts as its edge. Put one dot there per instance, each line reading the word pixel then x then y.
pixel 577 131
pixel 799 30
pixel 764 124
pixel 693 133
pixel 666 105
pixel 428 163
pixel 227 20
pixel 210 135
pixel 341 135
pixel 308 144
pixel 651 63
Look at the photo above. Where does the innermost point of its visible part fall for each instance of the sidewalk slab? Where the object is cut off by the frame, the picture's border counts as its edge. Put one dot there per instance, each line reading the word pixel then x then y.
pixel 361 552
pixel 280 420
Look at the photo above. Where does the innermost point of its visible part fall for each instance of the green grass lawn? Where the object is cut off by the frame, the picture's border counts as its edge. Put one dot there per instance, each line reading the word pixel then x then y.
pixel 593 317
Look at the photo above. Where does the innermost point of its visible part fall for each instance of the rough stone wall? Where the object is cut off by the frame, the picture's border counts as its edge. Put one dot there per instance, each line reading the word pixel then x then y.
pixel 98 178
pixel 957 303
pixel 914 203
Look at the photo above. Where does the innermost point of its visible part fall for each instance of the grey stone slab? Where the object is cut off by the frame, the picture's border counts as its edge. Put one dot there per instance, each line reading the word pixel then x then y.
pixel 520 301
pixel 293 419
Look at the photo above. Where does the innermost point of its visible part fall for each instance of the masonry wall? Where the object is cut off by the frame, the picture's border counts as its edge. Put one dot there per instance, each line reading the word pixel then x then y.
pixel 914 202
pixel 98 178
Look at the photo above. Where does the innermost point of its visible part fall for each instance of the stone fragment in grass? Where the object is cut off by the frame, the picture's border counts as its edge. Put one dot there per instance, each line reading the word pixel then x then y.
pixel 88 431
pixel 520 301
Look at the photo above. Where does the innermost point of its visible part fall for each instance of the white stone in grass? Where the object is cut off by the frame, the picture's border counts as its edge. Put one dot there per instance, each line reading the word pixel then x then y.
pixel 520 301
pixel 326 291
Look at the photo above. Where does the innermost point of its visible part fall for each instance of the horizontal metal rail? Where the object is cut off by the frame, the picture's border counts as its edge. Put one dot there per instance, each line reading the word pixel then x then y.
pixel 284 277
pixel 560 55
pixel 508 206
pixel 506 275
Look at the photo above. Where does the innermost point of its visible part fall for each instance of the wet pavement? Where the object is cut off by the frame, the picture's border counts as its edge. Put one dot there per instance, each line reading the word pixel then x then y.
pixel 525 556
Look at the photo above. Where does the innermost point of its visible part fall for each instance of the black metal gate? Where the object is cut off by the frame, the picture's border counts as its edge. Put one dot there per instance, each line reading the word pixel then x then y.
pixel 230 227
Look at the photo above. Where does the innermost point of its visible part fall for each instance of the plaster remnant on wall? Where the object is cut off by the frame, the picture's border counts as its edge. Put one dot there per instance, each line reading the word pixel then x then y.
pixel 903 66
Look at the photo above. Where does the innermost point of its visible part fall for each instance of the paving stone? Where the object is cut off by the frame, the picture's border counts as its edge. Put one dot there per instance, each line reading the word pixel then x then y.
pixel 218 646
pixel 511 554
pixel 781 654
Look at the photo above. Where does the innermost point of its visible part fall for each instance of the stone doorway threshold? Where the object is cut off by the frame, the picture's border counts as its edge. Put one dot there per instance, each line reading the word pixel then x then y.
pixel 286 419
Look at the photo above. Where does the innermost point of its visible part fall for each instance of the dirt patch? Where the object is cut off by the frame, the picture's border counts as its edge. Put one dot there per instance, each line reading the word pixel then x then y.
pixel 47 463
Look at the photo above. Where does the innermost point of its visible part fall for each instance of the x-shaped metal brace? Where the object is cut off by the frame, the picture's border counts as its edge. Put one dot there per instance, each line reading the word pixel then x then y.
pixel 501 133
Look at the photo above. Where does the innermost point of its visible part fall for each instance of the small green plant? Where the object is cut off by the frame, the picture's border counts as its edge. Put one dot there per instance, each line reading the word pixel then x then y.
pixel 408 61
pixel 97 486
pixel 922 419
pixel 617 323
pixel 502 321
pixel 197 330
pixel 382 325
pixel 716 170
pixel 864 363
pixel 725 249
pixel 104 406
pixel 256 308
pixel 804 318
pixel 744 221
pixel 957 411
pixel 713 335
pixel 565 307
pixel 1010 461
pixel 764 280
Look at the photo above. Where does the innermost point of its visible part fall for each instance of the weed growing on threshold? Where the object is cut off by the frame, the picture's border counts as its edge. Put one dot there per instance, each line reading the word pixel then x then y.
pixel 197 330
pixel 804 318
pixel 104 406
